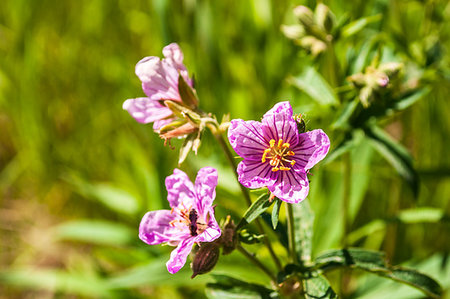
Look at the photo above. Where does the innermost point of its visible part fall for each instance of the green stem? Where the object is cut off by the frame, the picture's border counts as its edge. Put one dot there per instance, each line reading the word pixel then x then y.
pixel 291 233
pixel 257 262
pixel 232 162
pixel 244 190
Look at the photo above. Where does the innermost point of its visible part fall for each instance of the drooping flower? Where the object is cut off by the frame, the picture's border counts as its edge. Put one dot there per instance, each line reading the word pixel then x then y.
pixel 191 219
pixel 275 154
pixel 160 83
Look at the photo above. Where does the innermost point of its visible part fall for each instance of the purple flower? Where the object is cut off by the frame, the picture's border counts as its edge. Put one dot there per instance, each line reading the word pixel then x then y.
pixel 191 219
pixel 160 82
pixel 275 154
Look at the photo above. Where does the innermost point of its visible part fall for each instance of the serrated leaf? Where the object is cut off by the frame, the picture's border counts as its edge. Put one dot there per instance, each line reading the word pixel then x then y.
pixel 229 287
pixel 276 212
pixel 303 224
pixel 256 209
pixel 187 94
pixel 356 26
pixel 318 287
pixel 395 154
pixel 95 232
pixel 311 82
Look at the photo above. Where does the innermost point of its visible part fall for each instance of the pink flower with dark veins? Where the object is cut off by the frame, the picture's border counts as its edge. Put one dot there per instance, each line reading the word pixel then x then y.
pixel 275 154
pixel 191 219
pixel 159 79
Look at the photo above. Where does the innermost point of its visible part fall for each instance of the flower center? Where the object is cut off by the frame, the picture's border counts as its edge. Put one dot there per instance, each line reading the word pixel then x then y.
pixel 188 217
pixel 278 155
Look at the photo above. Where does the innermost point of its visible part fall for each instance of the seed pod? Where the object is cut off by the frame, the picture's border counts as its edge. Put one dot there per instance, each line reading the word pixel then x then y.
pixel 206 258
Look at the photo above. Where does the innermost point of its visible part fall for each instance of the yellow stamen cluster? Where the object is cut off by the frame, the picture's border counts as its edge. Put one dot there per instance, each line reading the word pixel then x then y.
pixel 278 153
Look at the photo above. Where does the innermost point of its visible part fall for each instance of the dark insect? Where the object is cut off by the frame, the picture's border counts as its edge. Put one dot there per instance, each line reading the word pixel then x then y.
pixel 193 222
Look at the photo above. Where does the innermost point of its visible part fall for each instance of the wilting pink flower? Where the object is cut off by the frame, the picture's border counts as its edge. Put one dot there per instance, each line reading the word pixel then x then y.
pixel 191 219
pixel 160 82
pixel 275 154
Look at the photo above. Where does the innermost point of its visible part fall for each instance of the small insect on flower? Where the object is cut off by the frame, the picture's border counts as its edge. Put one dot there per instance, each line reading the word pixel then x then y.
pixel 276 154
pixel 190 220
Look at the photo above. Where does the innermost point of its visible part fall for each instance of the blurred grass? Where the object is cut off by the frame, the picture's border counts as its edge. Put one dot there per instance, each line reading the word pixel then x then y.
pixel 68 152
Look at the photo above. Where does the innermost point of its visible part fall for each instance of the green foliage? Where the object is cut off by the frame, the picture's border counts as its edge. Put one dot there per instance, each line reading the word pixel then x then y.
pixel 77 173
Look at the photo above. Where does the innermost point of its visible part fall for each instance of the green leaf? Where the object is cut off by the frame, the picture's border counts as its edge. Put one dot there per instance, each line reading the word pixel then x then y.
pixel 111 196
pixel 346 113
pixel 395 154
pixel 415 279
pixel 353 257
pixel 356 26
pixel 318 287
pixel 311 82
pixel 229 287
pixel 256 209
pixel 187 93
pixel 374 262
pixel 276 212
pixel 419 215
pixel 303 224
pixel 96 232
pixel 410 99
pixel 81 284
pixel 249 238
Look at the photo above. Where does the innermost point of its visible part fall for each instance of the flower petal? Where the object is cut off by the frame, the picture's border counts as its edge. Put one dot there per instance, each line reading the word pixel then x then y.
pixel 156 83
pixel 205 188
pixel 313 146
pixel 246 138
pixel 212 232
pixel 145 110
pixel 255 174
pixel 180 189
pixel 155 228
pixel 173 63
pixel 291 186
pixel 179 255
pixel 279 124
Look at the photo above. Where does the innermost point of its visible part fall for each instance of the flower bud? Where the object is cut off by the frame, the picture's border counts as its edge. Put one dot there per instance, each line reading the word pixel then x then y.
pixel 305 16
pixel 206 258
pixel 324 17
pixel 229 237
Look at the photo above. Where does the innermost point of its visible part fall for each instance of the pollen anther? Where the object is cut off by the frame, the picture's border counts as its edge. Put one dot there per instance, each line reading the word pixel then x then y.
pixel 277 154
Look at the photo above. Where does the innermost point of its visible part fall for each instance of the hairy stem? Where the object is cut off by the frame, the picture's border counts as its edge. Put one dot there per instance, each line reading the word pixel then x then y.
pixel 246 194
pixel 291 233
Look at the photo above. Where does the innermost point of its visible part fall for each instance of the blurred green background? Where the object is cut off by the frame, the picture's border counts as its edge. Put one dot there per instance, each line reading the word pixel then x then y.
pixel 77 173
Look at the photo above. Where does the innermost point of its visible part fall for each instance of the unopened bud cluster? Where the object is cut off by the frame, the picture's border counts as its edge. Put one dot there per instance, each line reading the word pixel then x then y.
pixel 314 31
pixel 374 80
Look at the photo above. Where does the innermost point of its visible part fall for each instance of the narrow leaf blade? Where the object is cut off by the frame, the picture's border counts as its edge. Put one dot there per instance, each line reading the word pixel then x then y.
pixel 395 154
pixel 256 209
pixel 311 82
pixel 276 212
